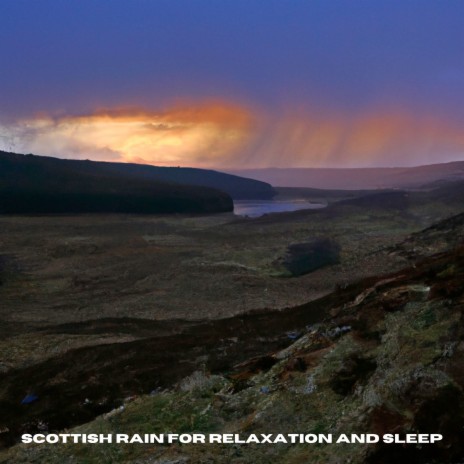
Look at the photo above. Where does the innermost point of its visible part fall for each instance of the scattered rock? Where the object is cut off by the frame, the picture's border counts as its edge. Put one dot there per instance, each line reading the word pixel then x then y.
pixel 28 399
pixel 303 258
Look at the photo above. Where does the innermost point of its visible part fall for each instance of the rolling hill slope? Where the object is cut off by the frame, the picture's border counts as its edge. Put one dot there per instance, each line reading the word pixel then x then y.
pixel 41 185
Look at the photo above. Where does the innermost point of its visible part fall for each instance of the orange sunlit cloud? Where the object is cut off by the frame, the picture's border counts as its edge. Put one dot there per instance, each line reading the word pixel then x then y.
pixel 182 135
pixel 225 135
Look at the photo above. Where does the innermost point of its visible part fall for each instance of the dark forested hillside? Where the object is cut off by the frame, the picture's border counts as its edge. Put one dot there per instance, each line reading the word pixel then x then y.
pixel 32 184
pixel 237 187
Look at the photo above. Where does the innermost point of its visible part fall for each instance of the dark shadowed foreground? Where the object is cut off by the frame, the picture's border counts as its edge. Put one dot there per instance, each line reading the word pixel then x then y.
pixel 380 356
pixel 187 324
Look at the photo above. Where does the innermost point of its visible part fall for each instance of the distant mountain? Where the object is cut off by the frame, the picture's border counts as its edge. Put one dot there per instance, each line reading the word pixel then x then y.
pixel 41 185
pixel 357 178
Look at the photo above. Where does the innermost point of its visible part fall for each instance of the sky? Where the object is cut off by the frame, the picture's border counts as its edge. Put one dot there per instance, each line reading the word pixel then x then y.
pixel 234 84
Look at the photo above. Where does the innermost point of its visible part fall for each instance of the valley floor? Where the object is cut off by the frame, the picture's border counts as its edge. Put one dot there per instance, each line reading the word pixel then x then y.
pixel 86 298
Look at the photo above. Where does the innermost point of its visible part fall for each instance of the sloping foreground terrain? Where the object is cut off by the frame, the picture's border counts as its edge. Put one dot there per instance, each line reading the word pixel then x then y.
pixel 383 355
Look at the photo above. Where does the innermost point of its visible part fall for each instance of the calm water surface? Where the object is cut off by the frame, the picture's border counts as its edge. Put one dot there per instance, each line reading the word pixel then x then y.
pixel 256 208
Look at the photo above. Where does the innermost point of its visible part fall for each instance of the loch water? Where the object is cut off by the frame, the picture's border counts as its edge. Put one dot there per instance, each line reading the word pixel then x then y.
pixel 256 208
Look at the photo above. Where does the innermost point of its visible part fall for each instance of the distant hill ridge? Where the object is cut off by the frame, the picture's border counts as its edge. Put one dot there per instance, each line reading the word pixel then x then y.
pixel 358 178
